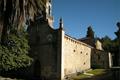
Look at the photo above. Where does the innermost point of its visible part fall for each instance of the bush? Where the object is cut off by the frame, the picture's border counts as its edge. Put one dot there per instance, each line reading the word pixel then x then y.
pixel 14 55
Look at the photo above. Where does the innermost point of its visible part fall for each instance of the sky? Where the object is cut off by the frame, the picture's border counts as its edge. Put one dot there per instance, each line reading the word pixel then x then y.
pixel 101 15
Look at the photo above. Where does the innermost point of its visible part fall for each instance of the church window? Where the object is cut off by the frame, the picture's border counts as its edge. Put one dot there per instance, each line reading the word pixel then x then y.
pixel 74 50
pixel 86 53
pixel 84 63
pixel 81 52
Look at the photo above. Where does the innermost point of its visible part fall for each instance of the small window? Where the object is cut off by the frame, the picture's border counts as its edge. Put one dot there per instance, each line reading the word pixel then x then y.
pixel 84 63
pixel 86 53
pixel 81 52
pixel 74 50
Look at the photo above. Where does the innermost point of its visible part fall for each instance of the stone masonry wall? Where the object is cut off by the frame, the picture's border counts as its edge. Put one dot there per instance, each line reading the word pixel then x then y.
pixel 77 56
pixel 44 50
pixel 100 59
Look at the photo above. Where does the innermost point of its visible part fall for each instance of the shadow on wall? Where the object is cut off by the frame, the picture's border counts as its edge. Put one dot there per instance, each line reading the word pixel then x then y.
pixel 99 59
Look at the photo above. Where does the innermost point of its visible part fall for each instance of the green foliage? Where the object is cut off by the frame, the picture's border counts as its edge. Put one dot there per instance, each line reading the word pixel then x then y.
pixel 117 40
pixel 118 31
pixel 112 45
pixel 90 33
pixel 81 76
pixel 14 55
pixel 106 43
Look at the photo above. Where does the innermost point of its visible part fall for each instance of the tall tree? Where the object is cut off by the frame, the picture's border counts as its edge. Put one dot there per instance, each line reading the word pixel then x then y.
pixel 90 33
pixel 107 43
pixel 118 32
pixel 15 14
pixel 118 44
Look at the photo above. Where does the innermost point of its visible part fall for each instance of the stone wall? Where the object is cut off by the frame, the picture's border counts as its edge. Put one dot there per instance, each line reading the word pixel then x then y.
pixel 45 50
pixel 57 55
pixel 101 59
pixel 77 56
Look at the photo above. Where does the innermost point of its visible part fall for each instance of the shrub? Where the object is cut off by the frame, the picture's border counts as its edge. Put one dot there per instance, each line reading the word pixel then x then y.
pixel 14 55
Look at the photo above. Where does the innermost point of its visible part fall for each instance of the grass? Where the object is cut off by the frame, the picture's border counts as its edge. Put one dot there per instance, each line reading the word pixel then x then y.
pixel 6 78
pixel 81 76
pixel 95 72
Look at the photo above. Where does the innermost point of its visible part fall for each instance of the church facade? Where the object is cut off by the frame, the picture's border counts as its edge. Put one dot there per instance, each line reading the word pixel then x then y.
pixel 57 55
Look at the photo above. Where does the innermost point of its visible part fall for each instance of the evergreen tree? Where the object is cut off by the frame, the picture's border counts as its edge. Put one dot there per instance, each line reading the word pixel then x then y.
pixel 118 45
pixel 117 40
pixel 118 32
pixel 90 33
pixel 106 43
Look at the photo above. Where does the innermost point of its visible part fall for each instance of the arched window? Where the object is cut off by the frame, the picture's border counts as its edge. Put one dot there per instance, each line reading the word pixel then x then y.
pixel 49 10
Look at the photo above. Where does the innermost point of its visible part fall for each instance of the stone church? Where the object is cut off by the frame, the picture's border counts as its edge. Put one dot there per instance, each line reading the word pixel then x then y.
pixel 57 55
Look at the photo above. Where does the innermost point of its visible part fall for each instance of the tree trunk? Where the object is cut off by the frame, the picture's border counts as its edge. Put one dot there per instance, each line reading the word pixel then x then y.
pixel 15 14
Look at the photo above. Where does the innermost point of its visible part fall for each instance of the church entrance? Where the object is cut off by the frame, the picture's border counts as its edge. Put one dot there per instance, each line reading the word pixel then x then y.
pixel 37 69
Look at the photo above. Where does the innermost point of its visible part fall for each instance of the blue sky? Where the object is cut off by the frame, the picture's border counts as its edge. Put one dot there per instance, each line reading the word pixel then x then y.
pixel 77 15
